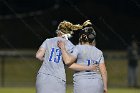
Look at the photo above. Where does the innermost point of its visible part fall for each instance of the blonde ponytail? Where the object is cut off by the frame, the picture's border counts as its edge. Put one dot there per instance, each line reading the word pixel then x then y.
pixel 68 27
pixel 86 23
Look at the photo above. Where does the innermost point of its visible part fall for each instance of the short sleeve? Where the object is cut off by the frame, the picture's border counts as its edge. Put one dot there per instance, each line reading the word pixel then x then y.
pixel 101 59
pixel 69 47
pixel 75 52
pixel 44 44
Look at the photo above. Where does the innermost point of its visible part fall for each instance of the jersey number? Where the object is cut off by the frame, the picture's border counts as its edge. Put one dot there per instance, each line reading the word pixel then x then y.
pixel 91 62
pixel 57 54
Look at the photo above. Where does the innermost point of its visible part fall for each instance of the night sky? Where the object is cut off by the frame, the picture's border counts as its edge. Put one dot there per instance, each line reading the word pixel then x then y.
pixel 25 24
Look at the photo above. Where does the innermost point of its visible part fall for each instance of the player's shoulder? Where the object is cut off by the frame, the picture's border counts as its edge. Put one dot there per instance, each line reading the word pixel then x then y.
pixel 50 40
pixel 53 39
pixel 69 43
pixel 47 39
pixel 98 50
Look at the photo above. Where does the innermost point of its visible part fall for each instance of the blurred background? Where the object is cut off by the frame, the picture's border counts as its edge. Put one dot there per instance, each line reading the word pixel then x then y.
pixel 25 24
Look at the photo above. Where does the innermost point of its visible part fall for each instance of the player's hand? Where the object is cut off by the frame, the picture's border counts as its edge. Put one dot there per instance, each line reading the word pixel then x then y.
pixel 105 90
pixel 61 44
pixel 92 67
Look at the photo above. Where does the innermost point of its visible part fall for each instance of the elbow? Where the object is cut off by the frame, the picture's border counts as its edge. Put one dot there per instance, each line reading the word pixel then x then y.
pixel 69 62
pixel 39 57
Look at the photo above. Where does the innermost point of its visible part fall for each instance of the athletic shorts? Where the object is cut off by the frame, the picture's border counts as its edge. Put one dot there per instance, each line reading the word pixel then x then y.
pixel 88 85
pixel 49 84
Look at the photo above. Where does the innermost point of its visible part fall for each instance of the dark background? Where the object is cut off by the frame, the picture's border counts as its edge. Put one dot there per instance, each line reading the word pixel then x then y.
pixel 25 24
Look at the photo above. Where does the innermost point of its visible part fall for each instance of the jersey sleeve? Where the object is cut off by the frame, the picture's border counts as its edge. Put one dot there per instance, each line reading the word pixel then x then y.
pixel 69 47
pixel 101 60
pixel 100 57
pixel 44 44
pixel 75 52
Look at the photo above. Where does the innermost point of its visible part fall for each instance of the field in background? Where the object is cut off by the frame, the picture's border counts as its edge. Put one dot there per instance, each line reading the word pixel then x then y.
pixel 21 71
pixel 116 63
pixel 69 90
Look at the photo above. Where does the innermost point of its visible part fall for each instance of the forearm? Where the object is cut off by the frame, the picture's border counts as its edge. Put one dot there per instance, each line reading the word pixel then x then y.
pixel 104 74
pixel 40 54
pixel 41 58
pixel 78 67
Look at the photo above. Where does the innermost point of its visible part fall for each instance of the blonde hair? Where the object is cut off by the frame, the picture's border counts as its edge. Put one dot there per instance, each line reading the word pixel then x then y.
pixel 68 27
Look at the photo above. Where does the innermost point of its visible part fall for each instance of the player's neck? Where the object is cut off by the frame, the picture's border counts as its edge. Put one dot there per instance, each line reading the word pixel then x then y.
pixel 85 43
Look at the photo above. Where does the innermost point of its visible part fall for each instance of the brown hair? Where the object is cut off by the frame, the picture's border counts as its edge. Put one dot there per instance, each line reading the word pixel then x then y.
pixel 88 35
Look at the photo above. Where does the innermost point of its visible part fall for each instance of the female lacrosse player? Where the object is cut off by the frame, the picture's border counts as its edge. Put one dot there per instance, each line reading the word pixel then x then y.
pixel 51 76
pixel 87 54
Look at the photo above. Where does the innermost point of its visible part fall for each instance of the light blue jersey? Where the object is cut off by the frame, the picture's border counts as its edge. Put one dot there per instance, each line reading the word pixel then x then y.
pixel 51 76
pixel 53 63
pixel 88 55
pixel 88 81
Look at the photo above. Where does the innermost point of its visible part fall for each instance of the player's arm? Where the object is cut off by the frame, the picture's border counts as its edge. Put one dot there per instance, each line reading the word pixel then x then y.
pixel 40 54
pixel 68 58
pixel 104 75
pixel 78 67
